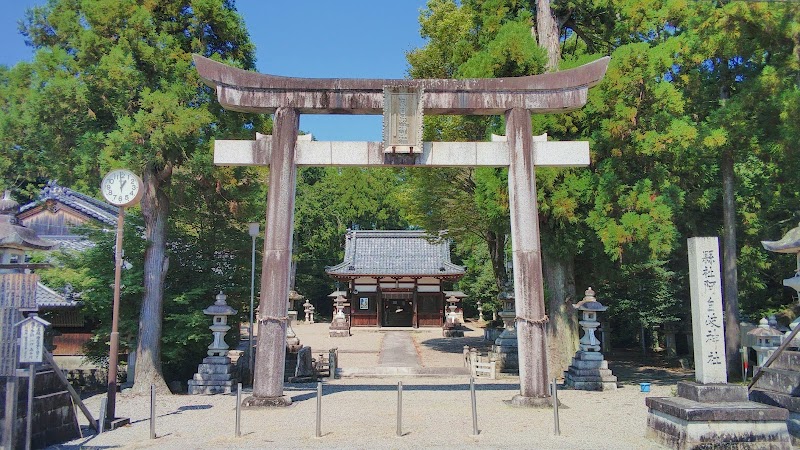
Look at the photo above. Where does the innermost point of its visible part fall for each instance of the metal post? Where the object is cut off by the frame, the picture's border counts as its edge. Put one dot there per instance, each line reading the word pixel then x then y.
pixel 101 426
pixel 557 429
pixel 113 352
pixel 475 431
pixel 319 409
pixel 253 230
pixel 399 408
pixel 29 421
pixel 239 410
pixel 152 411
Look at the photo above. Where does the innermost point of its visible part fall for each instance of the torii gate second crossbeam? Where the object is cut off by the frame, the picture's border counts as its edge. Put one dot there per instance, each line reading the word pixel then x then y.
pixel 288 97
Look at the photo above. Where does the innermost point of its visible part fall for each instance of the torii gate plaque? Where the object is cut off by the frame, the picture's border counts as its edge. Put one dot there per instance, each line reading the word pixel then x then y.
pixel 287 98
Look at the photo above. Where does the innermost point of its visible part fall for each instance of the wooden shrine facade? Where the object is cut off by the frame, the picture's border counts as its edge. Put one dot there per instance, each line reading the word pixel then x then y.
pixel 395 278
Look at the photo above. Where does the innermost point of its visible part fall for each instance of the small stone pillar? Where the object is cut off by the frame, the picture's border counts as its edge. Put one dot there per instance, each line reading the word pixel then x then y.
pixel 292 341
pixel 589 371
pixel 340 327
pixel 504 351
pixel 452 325
pixel 311 312
pixel 215 374
pixel 767 339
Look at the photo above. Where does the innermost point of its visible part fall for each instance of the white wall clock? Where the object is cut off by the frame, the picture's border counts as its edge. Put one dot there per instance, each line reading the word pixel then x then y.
pixel 121 187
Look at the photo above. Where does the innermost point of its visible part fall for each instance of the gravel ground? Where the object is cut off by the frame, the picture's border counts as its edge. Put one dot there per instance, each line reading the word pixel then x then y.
pixel 362 412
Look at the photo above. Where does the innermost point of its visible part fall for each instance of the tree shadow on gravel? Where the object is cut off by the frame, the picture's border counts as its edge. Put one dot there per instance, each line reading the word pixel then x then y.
pixel 456 345
pixel 633 368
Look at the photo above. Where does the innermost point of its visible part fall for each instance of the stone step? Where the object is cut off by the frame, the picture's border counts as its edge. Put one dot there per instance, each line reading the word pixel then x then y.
pixel 580 364
pixel 772 398
pixel 214 368
pixel 589 372
pixel 587 379
pixel 211 383
pixel 212 377
pixel 787 360
pixel 779 380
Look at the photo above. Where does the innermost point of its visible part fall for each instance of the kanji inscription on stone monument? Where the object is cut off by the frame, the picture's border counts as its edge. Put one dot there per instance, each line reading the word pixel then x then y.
pixel 707 318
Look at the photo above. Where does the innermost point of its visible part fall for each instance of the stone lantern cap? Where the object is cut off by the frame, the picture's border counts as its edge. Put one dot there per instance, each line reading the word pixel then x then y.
pixel 220 308
pixel 789 243
pixel 764 330
pixel 335 294
pixel 295 296
pixel 589 303
pixel 507 293
pixel 457 294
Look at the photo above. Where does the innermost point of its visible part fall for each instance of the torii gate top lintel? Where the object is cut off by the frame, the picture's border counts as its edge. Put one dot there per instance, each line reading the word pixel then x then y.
pixel 246 91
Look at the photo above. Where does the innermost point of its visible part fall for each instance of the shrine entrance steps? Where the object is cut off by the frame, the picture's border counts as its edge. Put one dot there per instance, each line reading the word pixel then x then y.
pixel 779 385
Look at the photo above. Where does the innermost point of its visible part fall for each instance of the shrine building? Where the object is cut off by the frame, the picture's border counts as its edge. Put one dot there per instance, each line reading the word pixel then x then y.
pixel 395 278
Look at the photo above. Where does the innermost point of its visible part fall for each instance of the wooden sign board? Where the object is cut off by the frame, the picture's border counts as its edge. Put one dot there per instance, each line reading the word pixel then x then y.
pixel 31 339
pixel 402 119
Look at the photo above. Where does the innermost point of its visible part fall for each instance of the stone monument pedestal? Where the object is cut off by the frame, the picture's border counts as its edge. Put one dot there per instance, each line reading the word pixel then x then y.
pixel 590 372
pixel 715 416
pixel 214 376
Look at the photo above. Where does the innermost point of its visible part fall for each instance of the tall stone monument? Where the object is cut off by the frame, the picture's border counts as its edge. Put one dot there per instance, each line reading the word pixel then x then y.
pixel 709 413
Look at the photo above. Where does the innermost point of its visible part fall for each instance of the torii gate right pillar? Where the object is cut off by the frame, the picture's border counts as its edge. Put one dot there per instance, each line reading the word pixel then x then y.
pixel 527 258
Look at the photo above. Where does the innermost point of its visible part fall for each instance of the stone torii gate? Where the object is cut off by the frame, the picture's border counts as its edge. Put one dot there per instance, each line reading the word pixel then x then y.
pixel 402 103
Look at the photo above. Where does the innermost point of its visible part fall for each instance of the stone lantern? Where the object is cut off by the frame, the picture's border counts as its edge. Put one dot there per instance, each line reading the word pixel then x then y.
pixel 589 307
pixel 767 340
pixel 307 309
pixel 215 374
pixel 340 327
pixel 504 351
pixel 589 371
pixel 452 324
pixel 292 341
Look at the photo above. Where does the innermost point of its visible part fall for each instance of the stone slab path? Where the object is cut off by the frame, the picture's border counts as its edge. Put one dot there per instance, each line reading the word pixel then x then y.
pixel 398 350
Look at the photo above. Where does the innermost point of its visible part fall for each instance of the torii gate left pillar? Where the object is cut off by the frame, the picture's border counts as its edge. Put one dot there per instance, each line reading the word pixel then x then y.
pixel 287 98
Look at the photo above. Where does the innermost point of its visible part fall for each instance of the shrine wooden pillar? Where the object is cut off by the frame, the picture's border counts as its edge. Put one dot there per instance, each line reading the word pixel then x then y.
pixel 527 259
pixel 276 264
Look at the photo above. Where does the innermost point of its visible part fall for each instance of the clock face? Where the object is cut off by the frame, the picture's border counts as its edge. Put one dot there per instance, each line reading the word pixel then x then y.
pixel 121 187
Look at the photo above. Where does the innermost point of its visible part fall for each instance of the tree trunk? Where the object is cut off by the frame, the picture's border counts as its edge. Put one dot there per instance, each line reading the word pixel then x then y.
pixel 729 267
pixel 547 34
pixel 155 209
pixel 497 253
pixel 563 332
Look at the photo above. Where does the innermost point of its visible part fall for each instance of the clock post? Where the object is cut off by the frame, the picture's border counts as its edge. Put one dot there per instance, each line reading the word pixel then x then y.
pixel 121 188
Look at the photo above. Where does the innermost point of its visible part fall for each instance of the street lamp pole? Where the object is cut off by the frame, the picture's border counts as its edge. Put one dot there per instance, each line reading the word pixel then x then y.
pixel 254 231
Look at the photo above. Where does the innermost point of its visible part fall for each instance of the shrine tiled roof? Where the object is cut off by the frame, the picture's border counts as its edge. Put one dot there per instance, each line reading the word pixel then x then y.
pixel 48 299
pixel 395 253
pixel 90 206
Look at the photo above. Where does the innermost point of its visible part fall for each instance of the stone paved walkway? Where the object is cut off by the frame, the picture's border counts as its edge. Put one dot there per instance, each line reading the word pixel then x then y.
pixel 398 350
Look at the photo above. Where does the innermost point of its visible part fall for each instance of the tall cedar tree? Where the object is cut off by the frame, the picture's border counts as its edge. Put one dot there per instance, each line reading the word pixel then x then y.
pixel 120 76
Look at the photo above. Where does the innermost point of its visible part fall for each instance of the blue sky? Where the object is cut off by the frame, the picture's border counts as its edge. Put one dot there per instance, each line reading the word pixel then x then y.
pixel 311 38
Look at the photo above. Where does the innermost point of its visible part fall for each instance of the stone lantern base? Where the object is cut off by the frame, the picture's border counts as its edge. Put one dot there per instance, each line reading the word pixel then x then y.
pixel 214 376
pixel 590 372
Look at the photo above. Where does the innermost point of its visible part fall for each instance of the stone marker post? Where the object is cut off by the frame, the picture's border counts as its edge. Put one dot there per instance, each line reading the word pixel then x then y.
pixel 707 317
pixel 710 413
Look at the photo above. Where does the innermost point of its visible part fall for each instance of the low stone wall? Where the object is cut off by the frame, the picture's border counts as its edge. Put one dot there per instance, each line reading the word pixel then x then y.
pixel 54 419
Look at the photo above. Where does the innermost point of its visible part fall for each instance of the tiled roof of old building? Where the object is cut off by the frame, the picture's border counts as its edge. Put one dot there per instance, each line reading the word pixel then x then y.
pixel 90 206
pixel 395 253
